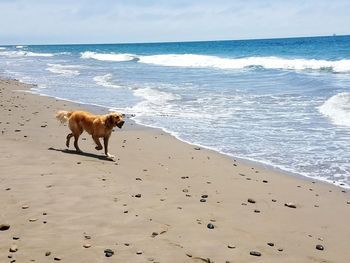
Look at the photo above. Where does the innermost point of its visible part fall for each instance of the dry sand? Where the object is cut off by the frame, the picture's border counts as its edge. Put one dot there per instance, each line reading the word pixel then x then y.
pixel 149 205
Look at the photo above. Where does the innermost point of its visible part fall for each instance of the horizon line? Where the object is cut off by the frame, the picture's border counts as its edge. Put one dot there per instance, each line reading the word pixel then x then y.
pixel 170 42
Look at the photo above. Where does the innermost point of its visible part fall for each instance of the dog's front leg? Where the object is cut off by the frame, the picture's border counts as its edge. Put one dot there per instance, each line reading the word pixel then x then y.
pixel 105 141
pixel 98 143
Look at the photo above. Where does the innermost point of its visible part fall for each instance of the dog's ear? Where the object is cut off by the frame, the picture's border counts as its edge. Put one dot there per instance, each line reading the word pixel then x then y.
pixel 109 121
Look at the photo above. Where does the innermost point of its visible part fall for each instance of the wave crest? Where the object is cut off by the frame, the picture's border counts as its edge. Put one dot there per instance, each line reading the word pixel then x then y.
pixel 204 61
pixel 66 70
pixel 107 56
pixel 337 108
pixel 105 81
pixel 15 54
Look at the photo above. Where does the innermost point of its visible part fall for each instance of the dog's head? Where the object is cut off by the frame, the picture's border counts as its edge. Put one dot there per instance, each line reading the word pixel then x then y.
pixel 115 119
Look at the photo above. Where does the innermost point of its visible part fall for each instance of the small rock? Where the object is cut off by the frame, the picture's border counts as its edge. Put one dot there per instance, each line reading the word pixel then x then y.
pixel 47 253
pixel 33 219
pixel 138 195
pixel 210 226
pixel 265 181
pixel 139 252
pixel 4 227
pixel 280 249
pixel 348 202
pixel 274 200
pixel 25 206
pixel 13 248
pixel 197 148
pixel 231 246
pixel 250 200
pixel 290 205
pixel 57 258
pixel 108 252
pixel 319 247
pixel 87 245
pixel 15 238
pixel 154 234
pixel 256 211
pixel 9 256
pixel 271 244
pixel 87 237
pixel 255 253
pixel 203 200
pixel 204 196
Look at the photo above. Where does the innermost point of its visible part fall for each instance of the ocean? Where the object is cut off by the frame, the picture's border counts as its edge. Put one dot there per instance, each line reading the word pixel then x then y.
pixel 284 103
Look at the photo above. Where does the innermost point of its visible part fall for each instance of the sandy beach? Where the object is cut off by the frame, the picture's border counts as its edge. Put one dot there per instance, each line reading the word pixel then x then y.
pixel 160 200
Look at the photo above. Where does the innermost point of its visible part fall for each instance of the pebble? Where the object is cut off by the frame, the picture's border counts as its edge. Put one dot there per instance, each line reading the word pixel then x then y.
pixel 138 195
pixel 197 148
pixel 280 249
pixel 348 202
pixel 250 200
pixel 13 248
pixel 290 205
pixel 47 253
pixel 256 211
pixel 265 181
pixel 319 247
pixel 33 219
pixel 154 234
pixel 15 238
pixel 210 226
pixel 4 227
pixel 57 258
pixel 25 206
pixel 108 252
pixel 274 200
pixel 255 253
pixel 139 252
pixel 271 244
pixel 203 200
pixel 231 246
pixel 204 196
pixel 87 245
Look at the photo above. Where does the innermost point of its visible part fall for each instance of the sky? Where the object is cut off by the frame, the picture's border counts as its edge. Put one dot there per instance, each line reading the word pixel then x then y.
pixel 135 21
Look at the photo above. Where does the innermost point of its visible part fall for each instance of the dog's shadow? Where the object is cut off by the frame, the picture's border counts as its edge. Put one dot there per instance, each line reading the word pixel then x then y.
pixel 91 155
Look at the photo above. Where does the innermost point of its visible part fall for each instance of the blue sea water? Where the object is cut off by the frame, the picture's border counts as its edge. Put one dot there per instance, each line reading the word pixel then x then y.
pixel 280 102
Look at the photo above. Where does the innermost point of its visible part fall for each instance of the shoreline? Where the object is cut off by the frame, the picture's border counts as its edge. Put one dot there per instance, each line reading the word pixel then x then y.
pixel 245 160
pixel 155 202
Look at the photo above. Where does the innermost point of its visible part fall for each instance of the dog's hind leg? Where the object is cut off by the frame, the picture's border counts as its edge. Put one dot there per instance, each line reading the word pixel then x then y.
pixel 98 143
pixel 68 139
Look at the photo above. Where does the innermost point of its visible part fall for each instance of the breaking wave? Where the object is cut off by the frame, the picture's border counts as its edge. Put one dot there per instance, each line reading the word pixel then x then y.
pixel 107 56
pixel 203 61
pixel 106 81
pixel 16 54
pixel 337 108
pixel 66 70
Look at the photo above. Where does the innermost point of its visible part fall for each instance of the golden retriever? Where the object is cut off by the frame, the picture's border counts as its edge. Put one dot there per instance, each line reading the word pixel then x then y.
pixel 99 126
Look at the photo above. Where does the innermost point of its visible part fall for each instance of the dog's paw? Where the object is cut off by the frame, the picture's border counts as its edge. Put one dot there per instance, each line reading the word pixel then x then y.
pixel 110 156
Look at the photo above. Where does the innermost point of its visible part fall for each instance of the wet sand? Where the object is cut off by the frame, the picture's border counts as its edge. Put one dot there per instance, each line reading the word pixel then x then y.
pixel 160 200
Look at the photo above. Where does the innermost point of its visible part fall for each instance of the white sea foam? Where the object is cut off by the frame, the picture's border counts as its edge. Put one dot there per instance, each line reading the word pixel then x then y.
pixel 107 56
pixel 2 48
pixel 19 46
pixel 337 108
pixel 66 70
pixel 16 54
pixel 106 81
pixel 203 61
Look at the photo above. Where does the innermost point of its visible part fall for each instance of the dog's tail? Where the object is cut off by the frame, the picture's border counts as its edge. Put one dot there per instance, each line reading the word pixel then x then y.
pixel 63 115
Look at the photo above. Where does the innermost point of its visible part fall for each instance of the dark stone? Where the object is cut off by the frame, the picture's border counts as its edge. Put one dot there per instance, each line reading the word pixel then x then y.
pixel 204 196
pixel 255 253
pixel 210 226
pixel 319 247
pixel 108 252
pixel 138 195
pixel 4 227
pixel 47 253
pixel 203 200
pixel 271 244
pixel 250 200
pixel 290 205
